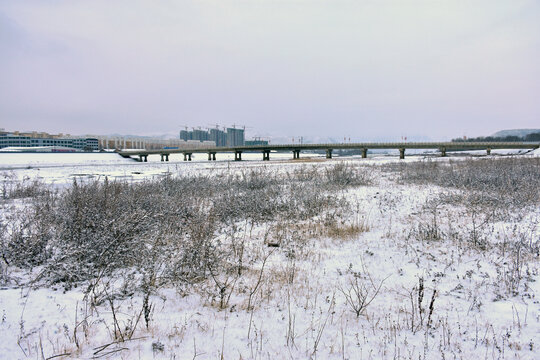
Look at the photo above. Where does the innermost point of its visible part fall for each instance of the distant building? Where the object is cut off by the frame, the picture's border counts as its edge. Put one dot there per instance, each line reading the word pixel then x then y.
pixel 233 136
pixel 16 140
pixel 218 136
pixel 185 135
pixel 199 135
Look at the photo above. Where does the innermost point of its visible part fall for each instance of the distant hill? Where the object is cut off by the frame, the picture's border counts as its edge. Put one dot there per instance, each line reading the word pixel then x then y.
pixel 515 132
pixel 507 135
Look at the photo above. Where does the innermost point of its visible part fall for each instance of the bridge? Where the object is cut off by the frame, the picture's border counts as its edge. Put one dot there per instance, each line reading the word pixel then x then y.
pixel 442 147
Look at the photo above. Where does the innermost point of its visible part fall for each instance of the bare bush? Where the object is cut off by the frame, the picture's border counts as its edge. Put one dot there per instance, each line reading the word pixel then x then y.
pixel 344 174
pixel 360 291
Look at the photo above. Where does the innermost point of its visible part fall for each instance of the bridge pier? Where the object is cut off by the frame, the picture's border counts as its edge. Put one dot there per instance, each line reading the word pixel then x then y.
pixel 443 151
pixel 364 153
pixel 187 156
pixel 328 153
pixel 237 156
pixel 166 157
pixel 402 153
pixel 488 151
pixel 266 155
pixel 296 154
pixel 143 158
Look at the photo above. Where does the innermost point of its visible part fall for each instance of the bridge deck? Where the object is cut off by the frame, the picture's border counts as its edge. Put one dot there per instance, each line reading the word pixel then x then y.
pixel 446 146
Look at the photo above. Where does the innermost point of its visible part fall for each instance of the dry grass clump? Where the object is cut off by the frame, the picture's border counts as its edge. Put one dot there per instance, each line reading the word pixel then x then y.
pixel 345 231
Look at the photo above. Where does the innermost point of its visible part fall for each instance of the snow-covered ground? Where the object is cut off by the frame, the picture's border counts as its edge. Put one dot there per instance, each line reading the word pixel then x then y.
pixel 437 299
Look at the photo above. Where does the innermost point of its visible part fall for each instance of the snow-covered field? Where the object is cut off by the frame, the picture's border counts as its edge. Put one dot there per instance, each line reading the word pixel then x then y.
pixel 414 270
pixel 63 168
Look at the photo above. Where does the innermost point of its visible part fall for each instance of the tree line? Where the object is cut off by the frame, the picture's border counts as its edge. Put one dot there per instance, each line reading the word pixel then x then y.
pixel 510 138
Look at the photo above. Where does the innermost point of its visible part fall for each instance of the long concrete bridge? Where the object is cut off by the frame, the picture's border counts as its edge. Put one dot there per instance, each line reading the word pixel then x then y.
pixel 442 147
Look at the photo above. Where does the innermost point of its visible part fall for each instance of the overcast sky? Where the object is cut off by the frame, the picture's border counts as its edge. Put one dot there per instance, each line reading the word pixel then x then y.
pixel 364 69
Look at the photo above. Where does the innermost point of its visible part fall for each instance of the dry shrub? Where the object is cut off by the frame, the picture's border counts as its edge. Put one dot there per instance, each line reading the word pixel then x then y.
pixel 513 181
pixel 168 229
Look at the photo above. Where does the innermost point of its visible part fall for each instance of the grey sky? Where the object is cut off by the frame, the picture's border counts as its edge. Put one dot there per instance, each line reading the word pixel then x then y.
pixel 364 69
